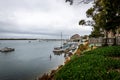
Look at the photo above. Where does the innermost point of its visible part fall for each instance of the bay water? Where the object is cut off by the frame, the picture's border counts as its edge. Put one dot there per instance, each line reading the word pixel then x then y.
pixel 29 60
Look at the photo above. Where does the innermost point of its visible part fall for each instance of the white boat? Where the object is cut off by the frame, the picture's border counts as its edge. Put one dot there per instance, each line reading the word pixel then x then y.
pixel 6 49
pixel 58 49
pixel 66 48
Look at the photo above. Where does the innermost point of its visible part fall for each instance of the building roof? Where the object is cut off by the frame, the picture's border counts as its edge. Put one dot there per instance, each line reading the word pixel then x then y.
pixel 75 36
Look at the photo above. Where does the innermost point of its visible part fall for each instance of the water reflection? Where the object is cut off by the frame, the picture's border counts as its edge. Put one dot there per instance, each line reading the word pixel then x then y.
pixel 65 55
pixel 50 57
pixel 58 53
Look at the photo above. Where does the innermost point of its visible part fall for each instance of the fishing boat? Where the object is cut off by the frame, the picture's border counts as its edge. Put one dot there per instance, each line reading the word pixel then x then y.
pixel 6 49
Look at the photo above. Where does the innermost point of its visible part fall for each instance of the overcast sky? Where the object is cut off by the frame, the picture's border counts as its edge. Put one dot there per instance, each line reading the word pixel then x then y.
pixel 41 19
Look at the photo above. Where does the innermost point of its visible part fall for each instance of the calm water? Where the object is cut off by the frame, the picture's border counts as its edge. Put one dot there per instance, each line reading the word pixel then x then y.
pixel 29 60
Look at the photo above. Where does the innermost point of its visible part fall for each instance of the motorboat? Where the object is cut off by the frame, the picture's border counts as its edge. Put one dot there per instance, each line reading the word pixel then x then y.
pixel 6 49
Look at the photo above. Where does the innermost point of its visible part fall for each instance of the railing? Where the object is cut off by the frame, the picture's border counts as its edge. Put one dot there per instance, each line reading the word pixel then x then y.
pixel 118 40
pixel 102 41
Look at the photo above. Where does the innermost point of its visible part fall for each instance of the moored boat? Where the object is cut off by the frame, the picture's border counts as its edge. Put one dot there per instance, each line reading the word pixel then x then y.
pixel 58 49
pixel 6 49
pixel 66 48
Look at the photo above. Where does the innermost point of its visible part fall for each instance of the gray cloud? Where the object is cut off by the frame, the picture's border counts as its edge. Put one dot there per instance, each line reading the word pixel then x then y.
pixel 46 18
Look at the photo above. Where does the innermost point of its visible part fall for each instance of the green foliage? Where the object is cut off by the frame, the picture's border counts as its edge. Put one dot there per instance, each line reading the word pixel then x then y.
pixel 89 12
pixel 96 33
pixel 71 1
pixel 98 64
pixel 105 14
pixel 109 51
pixel 82 22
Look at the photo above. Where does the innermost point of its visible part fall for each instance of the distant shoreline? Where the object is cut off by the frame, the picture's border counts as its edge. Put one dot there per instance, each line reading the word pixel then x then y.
pixel 16 39
pixel 31 39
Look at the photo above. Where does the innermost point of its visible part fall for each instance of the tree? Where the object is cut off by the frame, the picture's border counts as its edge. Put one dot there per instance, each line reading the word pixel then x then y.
pixel 82 22
pixel 105 15
pixel 71 1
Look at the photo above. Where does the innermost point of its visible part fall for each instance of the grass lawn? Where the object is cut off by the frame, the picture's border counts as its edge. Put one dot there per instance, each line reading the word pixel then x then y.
pixel 99 64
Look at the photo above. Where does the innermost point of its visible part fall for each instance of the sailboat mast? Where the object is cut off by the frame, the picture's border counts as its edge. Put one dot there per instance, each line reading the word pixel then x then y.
pixel 61 39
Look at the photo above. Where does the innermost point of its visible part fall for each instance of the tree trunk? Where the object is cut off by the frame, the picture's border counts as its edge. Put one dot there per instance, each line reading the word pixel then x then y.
pixel 106 38
pixel 114 42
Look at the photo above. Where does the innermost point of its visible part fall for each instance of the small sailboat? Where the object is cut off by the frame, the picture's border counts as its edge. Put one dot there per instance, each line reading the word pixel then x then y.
pixel 59 49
